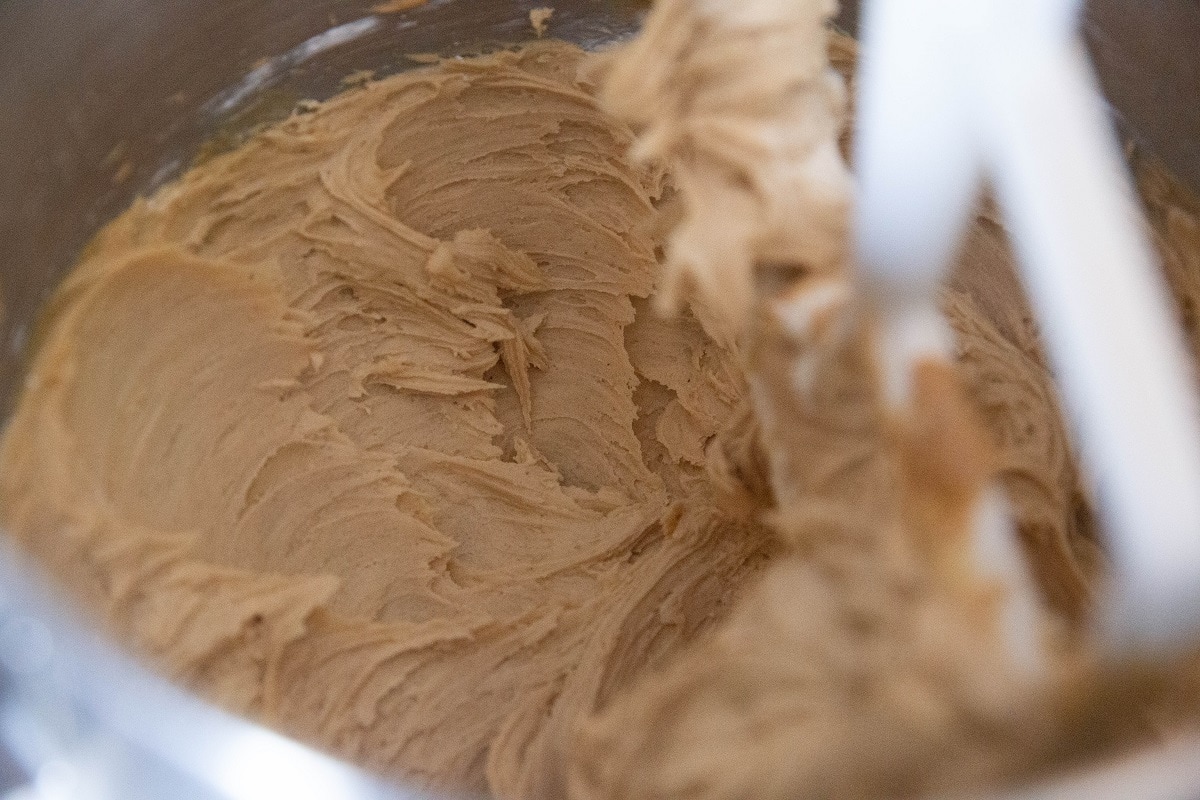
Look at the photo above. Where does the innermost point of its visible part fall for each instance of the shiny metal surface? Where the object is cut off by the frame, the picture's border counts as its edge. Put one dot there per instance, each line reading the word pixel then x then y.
pixel 82 721
pixel 104 100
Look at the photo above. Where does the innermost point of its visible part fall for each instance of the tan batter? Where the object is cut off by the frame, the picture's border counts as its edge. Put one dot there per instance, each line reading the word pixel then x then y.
pixel 367 429
pixel 867 661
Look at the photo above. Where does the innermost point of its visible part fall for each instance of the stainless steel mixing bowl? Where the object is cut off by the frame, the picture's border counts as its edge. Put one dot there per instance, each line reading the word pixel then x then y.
pixel 104 100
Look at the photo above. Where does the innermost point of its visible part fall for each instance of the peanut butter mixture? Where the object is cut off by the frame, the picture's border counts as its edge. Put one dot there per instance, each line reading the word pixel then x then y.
pixel 369 429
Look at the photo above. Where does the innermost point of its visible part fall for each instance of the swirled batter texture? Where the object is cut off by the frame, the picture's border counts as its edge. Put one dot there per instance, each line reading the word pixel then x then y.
pixel 365 429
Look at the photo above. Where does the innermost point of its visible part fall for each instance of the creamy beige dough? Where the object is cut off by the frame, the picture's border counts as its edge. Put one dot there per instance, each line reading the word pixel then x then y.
pixel 867 660
pixel 740 101
pixel 368 430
